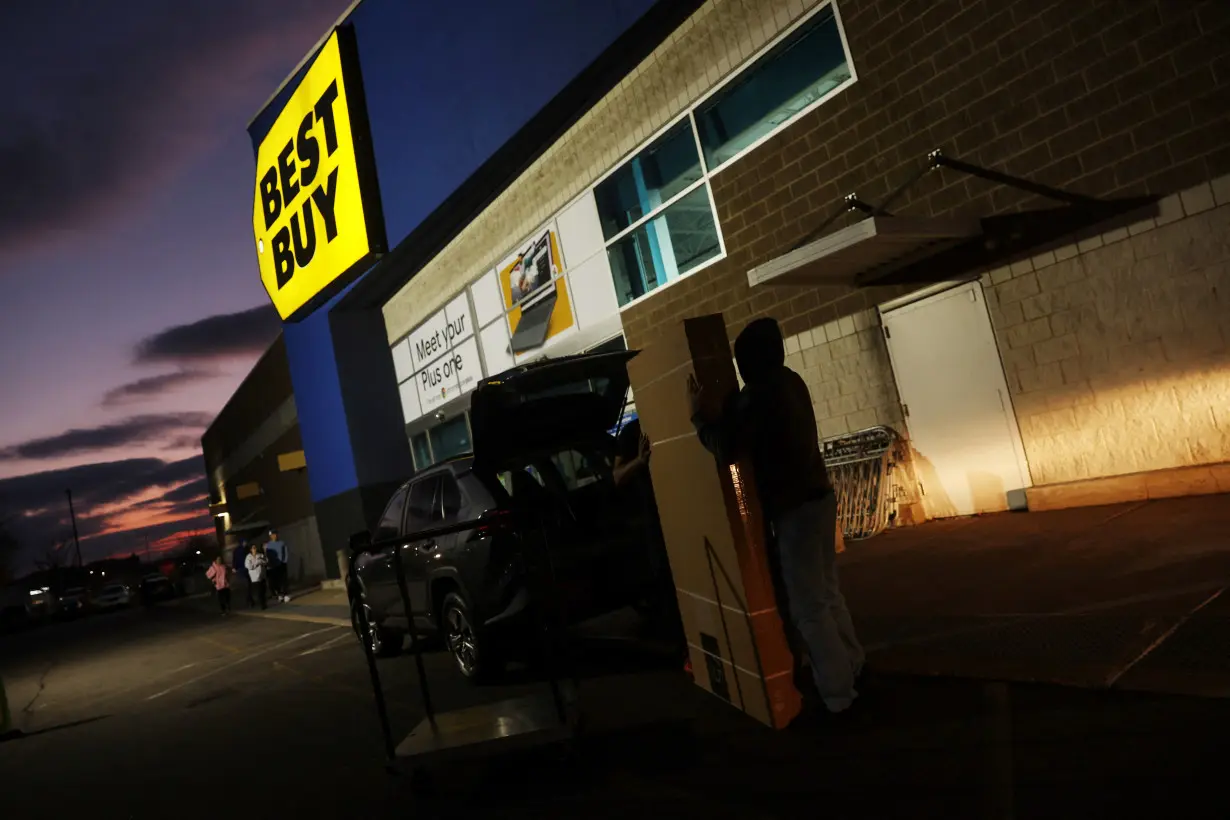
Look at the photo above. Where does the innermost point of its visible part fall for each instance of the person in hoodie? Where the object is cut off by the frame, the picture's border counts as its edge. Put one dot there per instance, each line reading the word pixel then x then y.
pixel 771 424
pixel 218 573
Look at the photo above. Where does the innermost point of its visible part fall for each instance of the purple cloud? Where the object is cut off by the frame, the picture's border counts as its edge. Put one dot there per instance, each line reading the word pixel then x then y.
pixel 130 96
pixel 244 334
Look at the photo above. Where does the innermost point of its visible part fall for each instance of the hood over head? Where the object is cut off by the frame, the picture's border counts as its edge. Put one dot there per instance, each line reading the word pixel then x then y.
pixel 760 351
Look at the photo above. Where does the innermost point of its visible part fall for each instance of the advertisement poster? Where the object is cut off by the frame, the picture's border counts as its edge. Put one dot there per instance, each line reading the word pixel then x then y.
pixel 535 294
pixel 442 354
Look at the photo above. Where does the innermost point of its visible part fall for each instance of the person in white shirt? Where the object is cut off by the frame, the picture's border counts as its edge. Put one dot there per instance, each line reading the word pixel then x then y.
pixel 256 564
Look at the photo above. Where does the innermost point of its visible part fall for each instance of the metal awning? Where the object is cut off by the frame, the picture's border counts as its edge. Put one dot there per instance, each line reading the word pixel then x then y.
pixel 886 249
pixel 872 247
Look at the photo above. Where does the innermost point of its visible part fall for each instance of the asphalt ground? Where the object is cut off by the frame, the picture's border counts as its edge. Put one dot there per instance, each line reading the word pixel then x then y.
pixel 177 712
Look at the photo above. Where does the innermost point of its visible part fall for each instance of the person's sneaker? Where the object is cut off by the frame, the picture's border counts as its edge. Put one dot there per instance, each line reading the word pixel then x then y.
pixel 286 599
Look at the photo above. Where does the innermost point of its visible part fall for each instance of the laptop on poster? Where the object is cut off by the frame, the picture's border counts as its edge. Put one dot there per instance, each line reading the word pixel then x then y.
pixel 538 303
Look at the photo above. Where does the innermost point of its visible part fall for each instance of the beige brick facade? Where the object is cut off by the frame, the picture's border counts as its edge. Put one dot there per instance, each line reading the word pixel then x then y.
pixel 845 364
pixel 1117 347
pixel 713 42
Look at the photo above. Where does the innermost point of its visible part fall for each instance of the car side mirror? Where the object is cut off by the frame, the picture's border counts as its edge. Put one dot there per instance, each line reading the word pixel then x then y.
pixel 361 541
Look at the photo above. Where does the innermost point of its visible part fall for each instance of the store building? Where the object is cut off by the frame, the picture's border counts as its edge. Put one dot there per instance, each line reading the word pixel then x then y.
pixel 1068 343
pixel 257 469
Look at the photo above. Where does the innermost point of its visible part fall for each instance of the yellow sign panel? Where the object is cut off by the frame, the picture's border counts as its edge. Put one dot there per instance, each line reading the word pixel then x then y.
pixel 523 280
pixel 316 213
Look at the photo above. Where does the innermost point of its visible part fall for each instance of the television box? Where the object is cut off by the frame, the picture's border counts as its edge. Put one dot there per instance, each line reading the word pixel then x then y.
pixel 713 528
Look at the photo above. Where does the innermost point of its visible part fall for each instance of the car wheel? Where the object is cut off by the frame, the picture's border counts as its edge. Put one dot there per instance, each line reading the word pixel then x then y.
pixel 471 654
pixel 381 641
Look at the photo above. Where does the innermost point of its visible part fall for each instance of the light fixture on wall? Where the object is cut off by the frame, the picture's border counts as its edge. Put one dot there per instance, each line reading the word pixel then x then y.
pixel 439 415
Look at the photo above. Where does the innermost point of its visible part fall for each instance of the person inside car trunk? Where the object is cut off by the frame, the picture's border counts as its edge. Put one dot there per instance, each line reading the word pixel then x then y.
pixel 771 423
pixel 632 479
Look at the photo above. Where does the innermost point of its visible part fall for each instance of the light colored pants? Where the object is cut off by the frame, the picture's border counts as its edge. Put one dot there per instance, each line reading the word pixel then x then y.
pixel 806 540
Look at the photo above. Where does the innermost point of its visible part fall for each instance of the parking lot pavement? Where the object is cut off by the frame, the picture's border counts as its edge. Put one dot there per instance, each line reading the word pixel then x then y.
pixel 174 713
pixel 1118 595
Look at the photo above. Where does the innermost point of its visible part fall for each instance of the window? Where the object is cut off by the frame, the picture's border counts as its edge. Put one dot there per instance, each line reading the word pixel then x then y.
pixel 680 238
pixel 656 209
pixel 390 522
pixel 450 439
pixel 577 469
pixel 660 172
pixel 421 450
pixel 424 512
pixel 657 215
pixel 450 497
pixel 799 71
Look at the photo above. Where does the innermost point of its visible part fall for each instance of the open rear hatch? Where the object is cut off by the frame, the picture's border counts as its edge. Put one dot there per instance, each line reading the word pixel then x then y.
pixel 548 406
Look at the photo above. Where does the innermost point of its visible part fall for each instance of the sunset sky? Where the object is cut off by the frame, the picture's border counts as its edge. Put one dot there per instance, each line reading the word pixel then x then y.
pixel 131 303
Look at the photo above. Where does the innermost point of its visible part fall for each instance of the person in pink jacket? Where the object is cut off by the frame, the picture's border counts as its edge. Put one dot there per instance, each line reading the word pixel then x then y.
pixel 217 573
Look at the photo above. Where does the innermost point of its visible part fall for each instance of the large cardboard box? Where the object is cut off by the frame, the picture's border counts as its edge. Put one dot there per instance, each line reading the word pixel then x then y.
pixel 713 527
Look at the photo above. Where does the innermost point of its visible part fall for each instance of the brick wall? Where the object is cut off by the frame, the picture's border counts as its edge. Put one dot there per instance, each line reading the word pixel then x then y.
pixel 1105 98
pixel 708 46
pixel 1117 348
pixel 845 365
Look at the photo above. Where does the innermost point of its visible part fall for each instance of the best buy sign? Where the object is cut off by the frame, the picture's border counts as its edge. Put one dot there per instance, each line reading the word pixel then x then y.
pixel 316 213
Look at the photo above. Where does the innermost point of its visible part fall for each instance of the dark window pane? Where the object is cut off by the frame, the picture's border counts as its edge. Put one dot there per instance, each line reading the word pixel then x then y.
pixel 452 438
pixel 664 248
pixel 799 71
pixel 662 170
pixel 422 451
pixel 390 522
pixel 450 497
pixel 424 511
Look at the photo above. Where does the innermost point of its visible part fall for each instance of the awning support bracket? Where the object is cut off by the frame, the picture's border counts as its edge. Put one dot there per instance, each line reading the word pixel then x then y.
pixel 851 202
pixel 936 160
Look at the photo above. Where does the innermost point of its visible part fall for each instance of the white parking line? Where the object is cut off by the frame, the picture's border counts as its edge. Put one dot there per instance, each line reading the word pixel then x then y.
pixel 1161 639
pixel 238 661
pixel 326 645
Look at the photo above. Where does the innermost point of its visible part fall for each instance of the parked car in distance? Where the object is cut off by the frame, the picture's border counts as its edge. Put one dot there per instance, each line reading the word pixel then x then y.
pixel 42 603
pixel 156 587
pixel 73 601
pixel 112 596
pixel 542 442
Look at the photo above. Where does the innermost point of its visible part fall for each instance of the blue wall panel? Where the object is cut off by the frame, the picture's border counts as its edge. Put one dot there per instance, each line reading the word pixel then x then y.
pixel 447 85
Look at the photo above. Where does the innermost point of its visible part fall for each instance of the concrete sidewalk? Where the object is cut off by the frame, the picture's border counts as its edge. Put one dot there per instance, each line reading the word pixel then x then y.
pixel 310 605
pixel 1127 596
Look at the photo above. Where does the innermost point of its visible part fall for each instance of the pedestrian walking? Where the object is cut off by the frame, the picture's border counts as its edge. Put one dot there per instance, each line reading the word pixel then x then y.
pixel 239 565
pixel 771 423
pixel 219 573
pixel 279 569
pixel 257 566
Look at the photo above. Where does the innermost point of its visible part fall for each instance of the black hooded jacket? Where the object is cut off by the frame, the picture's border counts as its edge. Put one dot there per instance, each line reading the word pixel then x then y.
pixel 771 422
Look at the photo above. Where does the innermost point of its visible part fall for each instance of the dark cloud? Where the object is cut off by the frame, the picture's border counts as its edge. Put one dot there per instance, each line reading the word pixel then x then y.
pixel 214 337
pixel 35 506
pixel 152 387
pixel 136 430
pixel 194 491
pixel 124 96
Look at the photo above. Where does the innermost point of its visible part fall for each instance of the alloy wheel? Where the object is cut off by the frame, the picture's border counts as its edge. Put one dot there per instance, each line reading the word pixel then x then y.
pixel 462 644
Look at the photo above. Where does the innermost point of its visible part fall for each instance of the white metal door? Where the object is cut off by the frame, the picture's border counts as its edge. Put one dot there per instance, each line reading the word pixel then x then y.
pixel 967 447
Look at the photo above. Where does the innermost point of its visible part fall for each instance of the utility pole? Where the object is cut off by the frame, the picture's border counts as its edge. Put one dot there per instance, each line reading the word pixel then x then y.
pixel 146 534
pixel 73 516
